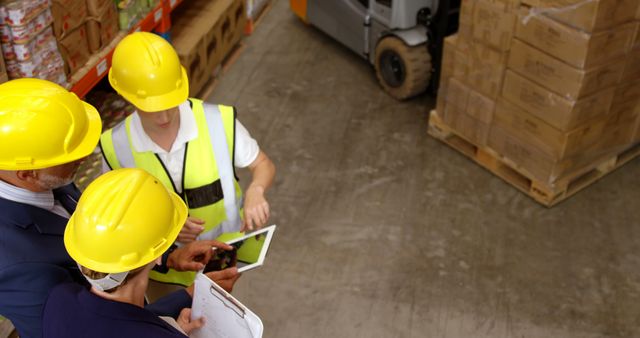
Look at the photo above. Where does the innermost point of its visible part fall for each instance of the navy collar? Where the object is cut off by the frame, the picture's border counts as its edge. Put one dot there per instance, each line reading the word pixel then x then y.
pixel 46 222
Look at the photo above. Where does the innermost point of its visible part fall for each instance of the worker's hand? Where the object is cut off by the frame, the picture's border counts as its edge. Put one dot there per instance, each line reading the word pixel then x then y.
pixel 225 278
pixel 195 255
pixel 256 209
pixel 186 324
pixel 191 229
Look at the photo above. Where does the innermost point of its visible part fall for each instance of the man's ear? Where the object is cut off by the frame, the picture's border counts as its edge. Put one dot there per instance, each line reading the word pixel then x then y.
pixel 26 175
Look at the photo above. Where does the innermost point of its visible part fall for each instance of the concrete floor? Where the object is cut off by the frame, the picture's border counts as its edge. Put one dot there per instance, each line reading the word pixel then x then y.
pixel 386 232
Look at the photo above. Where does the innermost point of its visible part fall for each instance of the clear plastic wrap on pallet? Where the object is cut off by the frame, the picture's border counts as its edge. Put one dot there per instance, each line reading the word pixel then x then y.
pixel 556 91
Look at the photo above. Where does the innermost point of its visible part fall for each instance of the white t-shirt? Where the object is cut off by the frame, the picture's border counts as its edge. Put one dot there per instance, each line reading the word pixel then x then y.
pixel 246 149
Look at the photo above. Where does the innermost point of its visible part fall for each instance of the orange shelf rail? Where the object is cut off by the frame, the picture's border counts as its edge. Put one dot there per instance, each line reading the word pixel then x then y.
pixel 88 77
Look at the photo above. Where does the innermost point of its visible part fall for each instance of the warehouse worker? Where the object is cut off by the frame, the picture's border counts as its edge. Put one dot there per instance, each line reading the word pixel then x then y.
pixel 189 146
pixel 117 241
pixel 44 133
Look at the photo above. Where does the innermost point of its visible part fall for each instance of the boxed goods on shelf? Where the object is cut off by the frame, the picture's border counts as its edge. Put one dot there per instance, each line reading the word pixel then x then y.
pixel 28 30
pixel 102 25
pixel 74 48
pixel 67 16
pixel 28 45
pixel 131 11
pixel 96 7
pixel 19 13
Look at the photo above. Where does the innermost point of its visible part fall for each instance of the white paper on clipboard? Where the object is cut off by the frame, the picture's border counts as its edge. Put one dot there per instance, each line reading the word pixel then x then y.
pixel 225 315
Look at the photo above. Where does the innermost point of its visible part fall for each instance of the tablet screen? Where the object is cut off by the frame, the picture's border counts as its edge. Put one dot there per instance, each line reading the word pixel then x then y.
pixel 248 251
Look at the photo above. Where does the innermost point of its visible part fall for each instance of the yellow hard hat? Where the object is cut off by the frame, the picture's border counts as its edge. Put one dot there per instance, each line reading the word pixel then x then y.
pixel 147 72
pixel 125 219
pixel 43 125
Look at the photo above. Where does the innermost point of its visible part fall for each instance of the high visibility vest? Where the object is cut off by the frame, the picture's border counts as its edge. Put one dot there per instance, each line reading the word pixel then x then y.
pixel 209 185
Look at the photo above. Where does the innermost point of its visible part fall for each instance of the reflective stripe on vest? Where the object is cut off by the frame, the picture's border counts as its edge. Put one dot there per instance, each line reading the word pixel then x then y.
pixel 209 186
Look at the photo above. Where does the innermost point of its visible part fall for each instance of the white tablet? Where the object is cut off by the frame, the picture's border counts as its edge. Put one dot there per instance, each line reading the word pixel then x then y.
pixel 249 251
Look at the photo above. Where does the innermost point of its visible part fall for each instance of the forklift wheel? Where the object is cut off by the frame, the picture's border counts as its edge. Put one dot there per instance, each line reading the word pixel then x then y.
pixel 402 71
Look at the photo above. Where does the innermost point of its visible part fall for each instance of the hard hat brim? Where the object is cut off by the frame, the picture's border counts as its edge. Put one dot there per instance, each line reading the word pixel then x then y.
pixel 159 102
pixel 116 266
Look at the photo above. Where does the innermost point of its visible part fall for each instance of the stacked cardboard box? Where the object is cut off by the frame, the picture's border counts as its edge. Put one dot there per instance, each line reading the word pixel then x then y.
pixel 474 65
pixel 204 33
pixel 102 23
pixel 69 27
pixel 553 86
pixel 28 44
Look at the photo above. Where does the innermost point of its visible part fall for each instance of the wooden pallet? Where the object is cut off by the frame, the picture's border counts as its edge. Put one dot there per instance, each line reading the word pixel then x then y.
pixel 543 192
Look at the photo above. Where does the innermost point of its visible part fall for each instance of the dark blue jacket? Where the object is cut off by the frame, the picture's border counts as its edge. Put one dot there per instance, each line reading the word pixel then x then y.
pixel 73 311
pixel 33 260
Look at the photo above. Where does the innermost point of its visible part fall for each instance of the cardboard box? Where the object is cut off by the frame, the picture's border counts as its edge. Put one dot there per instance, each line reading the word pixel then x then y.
pixel 589 16
pixel 102 28
pixel 619 133
pixel 479 66
pixel 4 76
pixel 636 39
pixel 446 71
pixel 531 159
pixel 457 93
pixel 629 91
pixel 486 68
pixel 632 66
pixel 636 136
pixel 556 144
pixel 448 57
pixel 467 111
pixel 624 107
pixel 96 7
pixel 465 22
pixel 480 107
pixel 552 108
pixel 465 125
pixel 493 23
pixel 461 59
pixel 567 81
pixel 575 47
pixel 74 49
pixel 67 16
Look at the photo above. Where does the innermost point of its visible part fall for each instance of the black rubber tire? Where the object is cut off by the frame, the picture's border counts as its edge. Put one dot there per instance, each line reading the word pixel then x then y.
pixel 402 71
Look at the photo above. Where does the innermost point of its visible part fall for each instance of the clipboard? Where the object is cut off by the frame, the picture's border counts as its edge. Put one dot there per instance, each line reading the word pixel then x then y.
pixel 225 315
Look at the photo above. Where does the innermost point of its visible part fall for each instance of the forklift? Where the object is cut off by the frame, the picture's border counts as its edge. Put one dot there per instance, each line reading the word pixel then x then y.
pixel 402 39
